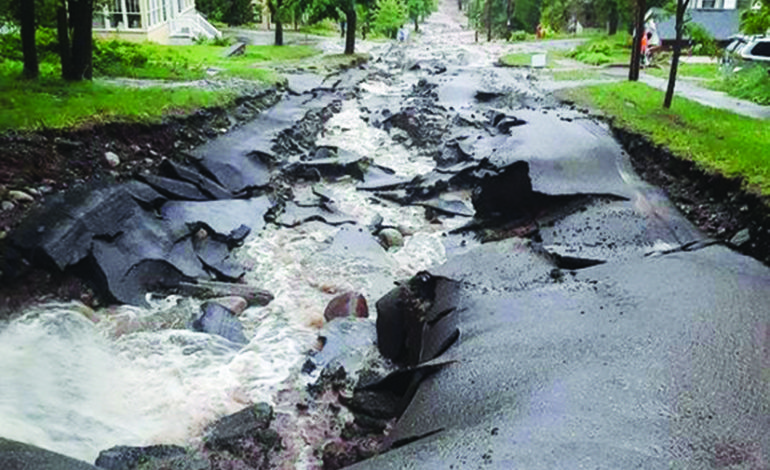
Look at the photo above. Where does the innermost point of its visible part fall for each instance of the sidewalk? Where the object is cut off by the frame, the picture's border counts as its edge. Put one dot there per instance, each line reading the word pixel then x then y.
pixel 689 90
pixel 715 99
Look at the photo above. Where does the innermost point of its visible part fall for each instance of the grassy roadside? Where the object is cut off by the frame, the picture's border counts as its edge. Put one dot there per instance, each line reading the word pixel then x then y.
pixel 51 103
pixel 718 141
pixel 57 105
pixel 745 80
pixel 704 71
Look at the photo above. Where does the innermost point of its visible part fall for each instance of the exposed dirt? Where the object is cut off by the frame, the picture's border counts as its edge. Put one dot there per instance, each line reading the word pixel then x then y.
pixel 41 163
pixel 722 207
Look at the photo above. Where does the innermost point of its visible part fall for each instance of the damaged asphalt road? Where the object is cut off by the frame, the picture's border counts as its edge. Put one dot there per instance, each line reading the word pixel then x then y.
pixel 594 327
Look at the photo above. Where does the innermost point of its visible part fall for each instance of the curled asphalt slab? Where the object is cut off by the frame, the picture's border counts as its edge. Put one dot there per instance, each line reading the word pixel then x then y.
pixel 652 363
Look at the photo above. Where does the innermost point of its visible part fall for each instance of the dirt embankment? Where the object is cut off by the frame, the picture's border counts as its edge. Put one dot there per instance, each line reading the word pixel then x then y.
pixel 37 164
pixel 718 205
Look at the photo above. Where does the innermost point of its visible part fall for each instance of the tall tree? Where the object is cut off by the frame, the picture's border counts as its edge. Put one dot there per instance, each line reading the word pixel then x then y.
pixel 391 15
pixel 510 6
pixel 27 16
pixel 613 17
pixel 418 10
pixel 336 10
pixel 636 48
pixel 349 9
pixel 74 23
pixel 681 8
pixel 277 12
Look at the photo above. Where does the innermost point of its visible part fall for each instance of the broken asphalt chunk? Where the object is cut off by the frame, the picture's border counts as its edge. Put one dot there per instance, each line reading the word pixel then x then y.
pixel 216 319
pixel 174 189
pixel 209 187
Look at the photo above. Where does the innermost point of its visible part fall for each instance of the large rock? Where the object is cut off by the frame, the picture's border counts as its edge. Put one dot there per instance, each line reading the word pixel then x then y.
pixel 349 304
pixel 250 423
pixel 130 458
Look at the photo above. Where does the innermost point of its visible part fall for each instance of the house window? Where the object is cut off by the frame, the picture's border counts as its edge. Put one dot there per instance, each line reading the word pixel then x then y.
pixel 155 14
pixel 117 19
pixel 101 18
pixel 134 14
pixel 708 4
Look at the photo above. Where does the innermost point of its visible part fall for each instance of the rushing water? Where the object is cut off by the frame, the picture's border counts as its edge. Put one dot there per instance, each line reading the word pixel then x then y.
pixel 77 381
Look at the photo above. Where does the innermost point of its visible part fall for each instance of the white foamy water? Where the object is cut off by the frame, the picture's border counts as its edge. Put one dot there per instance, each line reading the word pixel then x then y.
pixel 78 381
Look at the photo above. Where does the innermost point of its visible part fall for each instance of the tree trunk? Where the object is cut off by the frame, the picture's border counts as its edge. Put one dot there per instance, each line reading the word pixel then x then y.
pixel 681 6
pixel 62 29
pixel 278 33
pixel 27 14
pixel 278 23
pixel 415 25
pixel 636 56
pixel 81 14
pixel 614 19
pixel 460 5
pixel 350 37
pixel 489 20
pixel 509 18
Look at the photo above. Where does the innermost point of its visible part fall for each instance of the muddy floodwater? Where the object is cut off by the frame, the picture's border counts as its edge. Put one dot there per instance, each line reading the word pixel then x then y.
pixel 530 301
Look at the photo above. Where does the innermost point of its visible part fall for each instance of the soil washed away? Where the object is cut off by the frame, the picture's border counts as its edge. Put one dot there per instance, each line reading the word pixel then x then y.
pixel 420 262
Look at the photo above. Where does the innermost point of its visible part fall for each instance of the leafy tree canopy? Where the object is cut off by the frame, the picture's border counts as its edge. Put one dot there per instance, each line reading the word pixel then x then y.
pixel 391 15
pixel 756 21
pixel 232 12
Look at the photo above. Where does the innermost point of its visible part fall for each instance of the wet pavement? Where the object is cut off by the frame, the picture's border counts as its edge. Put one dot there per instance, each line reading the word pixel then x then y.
pixel 569 317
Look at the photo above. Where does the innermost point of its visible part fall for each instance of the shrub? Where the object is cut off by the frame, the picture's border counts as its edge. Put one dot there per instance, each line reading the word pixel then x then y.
pixel 519 36
pixel 118 58
pixel 595 52
pixel 390 16
pixel 703 41
pixel 750 83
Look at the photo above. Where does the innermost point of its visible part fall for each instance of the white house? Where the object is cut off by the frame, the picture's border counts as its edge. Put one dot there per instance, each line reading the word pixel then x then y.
pixel 161 21
pixel 714 4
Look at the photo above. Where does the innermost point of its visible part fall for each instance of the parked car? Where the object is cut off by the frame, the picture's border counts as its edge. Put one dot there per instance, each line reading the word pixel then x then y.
pixel 749 48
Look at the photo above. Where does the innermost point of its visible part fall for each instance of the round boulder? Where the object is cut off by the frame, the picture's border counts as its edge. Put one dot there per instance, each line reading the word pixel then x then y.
pixel 349 304
pixel 390 237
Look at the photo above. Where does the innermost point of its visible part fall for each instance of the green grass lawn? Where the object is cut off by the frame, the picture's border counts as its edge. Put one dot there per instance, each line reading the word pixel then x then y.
pixel 717 140
pixel 154 61
pixel 53 103
pixel 706 71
